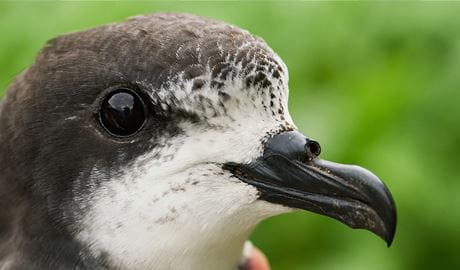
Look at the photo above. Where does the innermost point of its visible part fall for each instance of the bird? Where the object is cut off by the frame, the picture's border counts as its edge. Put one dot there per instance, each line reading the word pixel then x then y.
pixel 160 142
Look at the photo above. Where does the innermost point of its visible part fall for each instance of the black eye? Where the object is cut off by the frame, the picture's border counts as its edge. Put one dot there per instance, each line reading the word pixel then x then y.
pixel 122 112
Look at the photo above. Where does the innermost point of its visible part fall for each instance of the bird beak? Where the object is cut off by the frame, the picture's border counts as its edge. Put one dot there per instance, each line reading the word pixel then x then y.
pixel 289 173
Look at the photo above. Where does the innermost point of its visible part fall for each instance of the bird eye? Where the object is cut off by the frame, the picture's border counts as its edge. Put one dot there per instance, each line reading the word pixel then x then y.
pixel 122 112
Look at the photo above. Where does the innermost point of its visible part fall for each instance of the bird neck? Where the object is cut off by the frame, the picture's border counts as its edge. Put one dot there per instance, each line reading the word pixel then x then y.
pixel 188 243
pixel 221 248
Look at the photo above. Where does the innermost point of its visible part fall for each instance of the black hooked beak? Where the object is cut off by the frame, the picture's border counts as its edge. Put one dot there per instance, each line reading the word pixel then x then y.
pixel 289 173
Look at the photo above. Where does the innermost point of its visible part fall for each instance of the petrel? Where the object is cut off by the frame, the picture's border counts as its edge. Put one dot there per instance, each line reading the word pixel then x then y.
pixel 160 143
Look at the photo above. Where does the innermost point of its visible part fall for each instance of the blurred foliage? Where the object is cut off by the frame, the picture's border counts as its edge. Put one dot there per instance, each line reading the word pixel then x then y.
pixel 376 83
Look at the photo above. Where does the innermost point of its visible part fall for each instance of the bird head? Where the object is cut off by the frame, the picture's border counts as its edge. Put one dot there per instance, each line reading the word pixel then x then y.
pixel 164 140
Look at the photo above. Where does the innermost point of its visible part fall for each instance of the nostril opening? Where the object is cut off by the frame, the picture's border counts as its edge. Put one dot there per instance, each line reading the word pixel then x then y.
pixel 313 148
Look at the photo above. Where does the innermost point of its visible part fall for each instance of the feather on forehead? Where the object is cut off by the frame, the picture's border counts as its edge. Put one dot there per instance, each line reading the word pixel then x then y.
pixel 184 62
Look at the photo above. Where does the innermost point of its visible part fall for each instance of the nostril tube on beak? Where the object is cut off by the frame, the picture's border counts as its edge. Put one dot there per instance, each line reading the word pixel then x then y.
pixel 312 148
pixel 293 145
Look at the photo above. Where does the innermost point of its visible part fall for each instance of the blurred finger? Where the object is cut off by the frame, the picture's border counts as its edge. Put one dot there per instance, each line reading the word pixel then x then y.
pixel 254 258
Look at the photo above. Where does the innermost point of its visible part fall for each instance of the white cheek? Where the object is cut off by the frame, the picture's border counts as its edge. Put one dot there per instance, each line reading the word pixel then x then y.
pixel 146 222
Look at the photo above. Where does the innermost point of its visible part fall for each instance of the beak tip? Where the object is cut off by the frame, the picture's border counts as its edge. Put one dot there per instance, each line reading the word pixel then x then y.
pixel 391 222
pixel 390 235
pixel 388 238
pixel 388 230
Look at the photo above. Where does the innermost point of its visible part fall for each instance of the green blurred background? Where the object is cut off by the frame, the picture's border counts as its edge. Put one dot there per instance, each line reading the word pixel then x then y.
pixel 376 83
